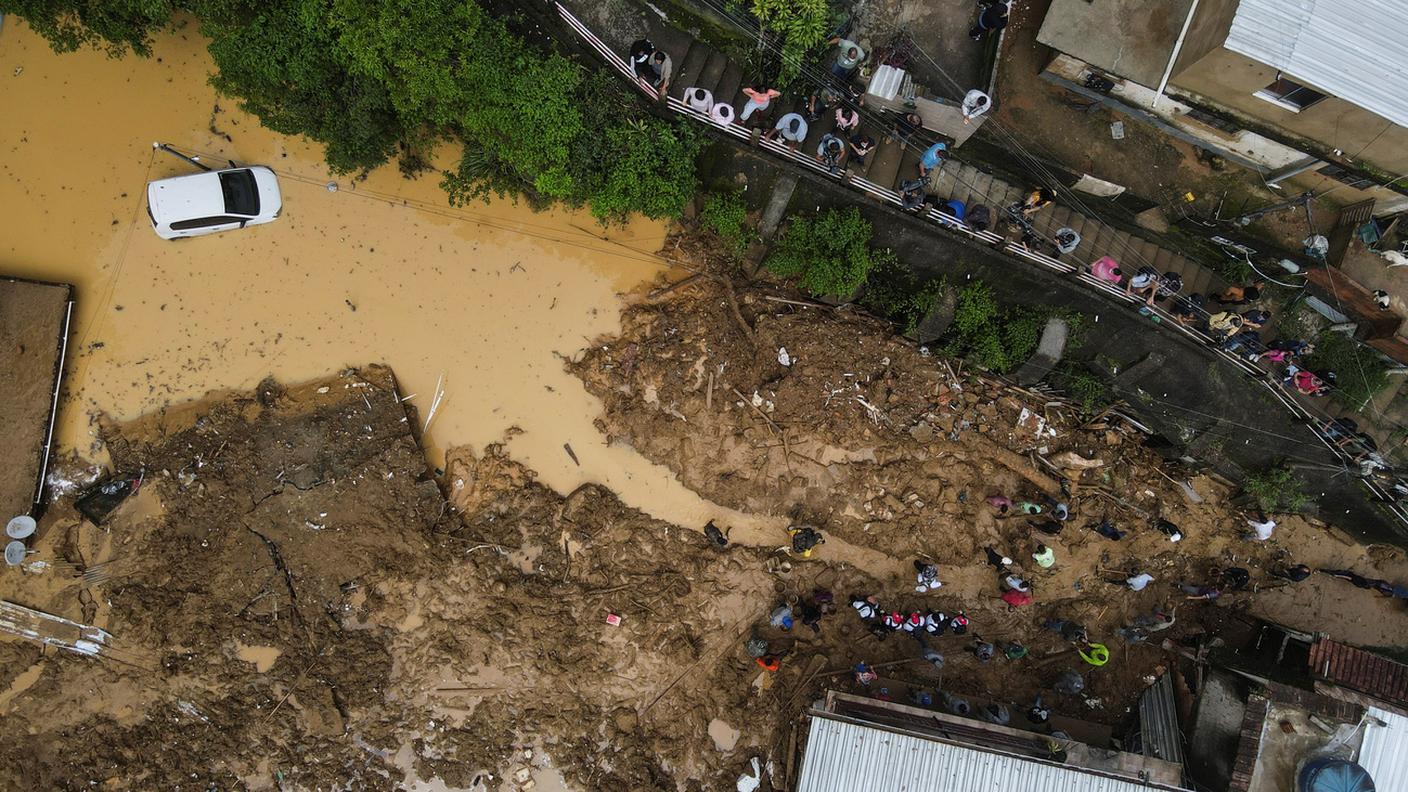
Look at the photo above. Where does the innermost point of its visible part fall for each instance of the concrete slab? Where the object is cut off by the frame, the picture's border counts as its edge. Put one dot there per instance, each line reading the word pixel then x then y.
pixel 34 321
pixel 1130 38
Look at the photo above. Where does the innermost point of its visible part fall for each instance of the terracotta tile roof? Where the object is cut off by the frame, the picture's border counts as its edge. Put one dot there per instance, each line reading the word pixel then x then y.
pixel 1376 676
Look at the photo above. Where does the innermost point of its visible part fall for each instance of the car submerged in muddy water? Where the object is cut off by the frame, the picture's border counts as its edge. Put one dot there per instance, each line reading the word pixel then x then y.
pixel 213 201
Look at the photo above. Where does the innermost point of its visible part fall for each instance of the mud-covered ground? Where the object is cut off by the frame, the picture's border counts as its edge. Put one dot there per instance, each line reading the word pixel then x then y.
pixel 295 603
pixel 894 452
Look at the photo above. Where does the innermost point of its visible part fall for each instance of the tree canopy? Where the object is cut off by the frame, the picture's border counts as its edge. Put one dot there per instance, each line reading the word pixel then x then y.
pixel 366 78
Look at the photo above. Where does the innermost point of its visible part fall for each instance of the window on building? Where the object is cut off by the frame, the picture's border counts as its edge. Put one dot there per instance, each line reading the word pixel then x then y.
pixel 1289 94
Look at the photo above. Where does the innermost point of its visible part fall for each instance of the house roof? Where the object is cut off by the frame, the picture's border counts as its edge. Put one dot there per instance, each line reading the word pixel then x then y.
pixel 1375 676
pixel 842 756
pixel 1384 752
pixel 1354 51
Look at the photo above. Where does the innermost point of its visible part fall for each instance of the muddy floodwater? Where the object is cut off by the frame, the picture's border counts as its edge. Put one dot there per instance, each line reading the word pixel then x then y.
pixel 485 301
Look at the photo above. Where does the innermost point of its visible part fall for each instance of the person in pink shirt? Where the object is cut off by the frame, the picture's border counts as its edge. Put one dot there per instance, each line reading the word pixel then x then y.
pixel 1107 269
pixel 758 99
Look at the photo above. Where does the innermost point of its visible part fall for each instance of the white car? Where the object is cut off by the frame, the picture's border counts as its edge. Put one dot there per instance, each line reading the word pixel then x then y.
pixel 213 201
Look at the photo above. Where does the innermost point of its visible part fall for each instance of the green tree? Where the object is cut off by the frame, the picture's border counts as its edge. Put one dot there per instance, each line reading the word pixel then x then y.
pixel 892 290
pixel 367 78
pixel 1360 373
pixel 1277 488
pixel 112 25
pixel 828 253
pixel 285 66
pixel 800 23
pixel 726 215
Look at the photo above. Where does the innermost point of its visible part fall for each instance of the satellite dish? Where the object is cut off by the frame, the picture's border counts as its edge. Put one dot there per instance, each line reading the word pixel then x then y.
pixel 20 527
pixel 15 553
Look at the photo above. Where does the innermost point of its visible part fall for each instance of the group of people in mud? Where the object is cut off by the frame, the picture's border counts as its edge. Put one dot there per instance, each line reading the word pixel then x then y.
pixel 914 616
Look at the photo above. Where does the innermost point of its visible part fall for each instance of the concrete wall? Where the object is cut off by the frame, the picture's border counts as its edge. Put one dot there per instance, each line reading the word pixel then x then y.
pixel 1208 32
pixel 1229 80
pixel 1131 38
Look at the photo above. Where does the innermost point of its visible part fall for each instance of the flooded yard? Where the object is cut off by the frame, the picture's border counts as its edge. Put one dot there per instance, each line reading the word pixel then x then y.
pixel 485 300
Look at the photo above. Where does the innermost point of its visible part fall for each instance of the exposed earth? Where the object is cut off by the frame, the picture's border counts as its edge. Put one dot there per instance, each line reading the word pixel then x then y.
pixel 296 602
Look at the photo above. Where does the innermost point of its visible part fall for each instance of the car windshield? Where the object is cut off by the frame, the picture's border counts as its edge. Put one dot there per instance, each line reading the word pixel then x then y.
pixel 241 193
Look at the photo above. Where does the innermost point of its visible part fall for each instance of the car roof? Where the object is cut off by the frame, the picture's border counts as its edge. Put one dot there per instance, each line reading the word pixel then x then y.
pixel 187 197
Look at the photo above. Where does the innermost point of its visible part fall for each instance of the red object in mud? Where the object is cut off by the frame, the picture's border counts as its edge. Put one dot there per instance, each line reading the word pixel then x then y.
pixel 1017 598
pixel 613 620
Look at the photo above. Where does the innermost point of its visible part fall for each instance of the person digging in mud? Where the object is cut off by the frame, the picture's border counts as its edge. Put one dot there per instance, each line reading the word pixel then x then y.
pixel 1000 502
pixel 893 621
pixel 1196 592
pixel 959 623
pixel 1069 630
pixel 921 698
pixel 781 617
pixel 997 713
pixel 1017 598
pixel 935 623
pixel 929 654
pixel 805 539
pixel 998 561
pixel 867 607
pixel 1070 683
pixel 1350 576
pixel 716 537
pixel 756 646
pixel 1261 528
pixel 1135 581
pixel 1013 650
pixel 927 575
pixel 1048 527
pixel 1236 578
pixel 1292 574
pixel 913 623
pixel 864 674
pixel 1039 713
pixel 957 705
pixel 820 604
pixel 1108 530
pixel 1169 529
pixel 983 650
pixel 1096 654
pixel 1044 556
pixel 769 662
pixel 1027 507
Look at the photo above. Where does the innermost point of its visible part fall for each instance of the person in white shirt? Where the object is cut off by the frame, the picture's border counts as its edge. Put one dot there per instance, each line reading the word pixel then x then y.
pixel 1139 582
pixel 1261 529
pixel 722 113
pixel 975 103
pixel 699 99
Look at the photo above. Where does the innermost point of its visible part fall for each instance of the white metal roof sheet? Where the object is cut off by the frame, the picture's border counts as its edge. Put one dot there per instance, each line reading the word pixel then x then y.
pixel 848 757
pixel 1355 51
pixel 1385 750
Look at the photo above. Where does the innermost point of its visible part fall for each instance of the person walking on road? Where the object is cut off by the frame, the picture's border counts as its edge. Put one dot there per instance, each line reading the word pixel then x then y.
pixel 992 17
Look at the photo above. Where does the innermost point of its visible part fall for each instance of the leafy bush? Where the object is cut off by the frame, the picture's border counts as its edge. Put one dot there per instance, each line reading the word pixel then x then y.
pixel 828 253
pixel 1277 488
pixel 1088 390
pixel 368 78
pixel 1359 373
pixel 801 24
pixel 998 339
pixel 893 291
pixel 726 215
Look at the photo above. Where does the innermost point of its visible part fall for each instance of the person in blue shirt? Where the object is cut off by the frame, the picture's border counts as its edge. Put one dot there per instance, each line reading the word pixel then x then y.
pixel 933 158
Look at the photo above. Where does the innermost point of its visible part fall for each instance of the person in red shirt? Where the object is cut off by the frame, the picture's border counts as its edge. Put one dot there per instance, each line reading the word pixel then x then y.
pixel 1016 599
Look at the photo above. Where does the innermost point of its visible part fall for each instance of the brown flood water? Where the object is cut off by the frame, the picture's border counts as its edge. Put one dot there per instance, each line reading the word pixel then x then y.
pixel 489 297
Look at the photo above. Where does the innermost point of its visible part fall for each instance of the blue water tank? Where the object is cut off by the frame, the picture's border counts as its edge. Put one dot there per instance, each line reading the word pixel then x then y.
pixel 1334 775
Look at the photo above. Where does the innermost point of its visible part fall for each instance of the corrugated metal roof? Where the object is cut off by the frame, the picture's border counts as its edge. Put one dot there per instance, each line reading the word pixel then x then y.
pixel 1355 51
pixel 1366 672
pixel 1158 722
pixel 849 757
pixel 1385 750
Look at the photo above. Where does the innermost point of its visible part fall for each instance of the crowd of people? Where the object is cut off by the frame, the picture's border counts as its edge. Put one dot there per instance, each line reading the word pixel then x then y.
pixel 938 632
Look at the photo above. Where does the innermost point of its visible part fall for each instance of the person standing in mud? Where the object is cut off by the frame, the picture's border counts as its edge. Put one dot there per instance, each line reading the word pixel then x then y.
pixel 805 539
pixel 927 575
